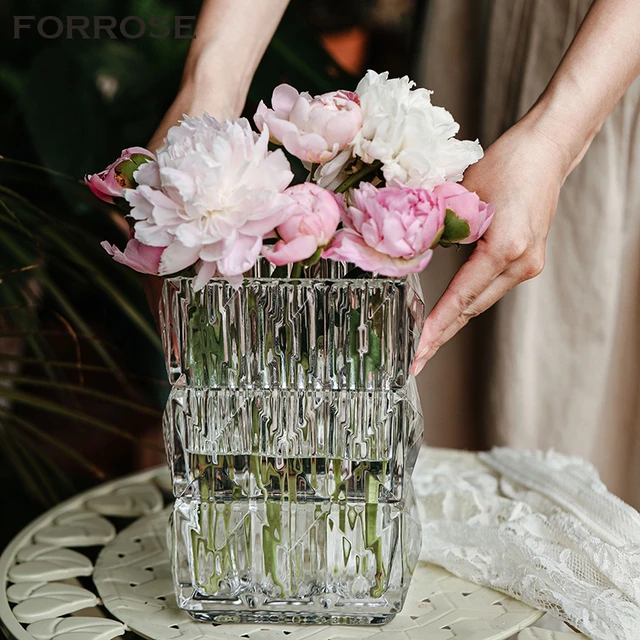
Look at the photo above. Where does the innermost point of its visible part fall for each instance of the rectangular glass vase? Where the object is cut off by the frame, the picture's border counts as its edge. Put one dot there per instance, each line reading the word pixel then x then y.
pixel 292 429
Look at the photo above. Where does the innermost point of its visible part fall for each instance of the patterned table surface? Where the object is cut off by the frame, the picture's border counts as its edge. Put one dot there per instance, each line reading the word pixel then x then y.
pixel 57 587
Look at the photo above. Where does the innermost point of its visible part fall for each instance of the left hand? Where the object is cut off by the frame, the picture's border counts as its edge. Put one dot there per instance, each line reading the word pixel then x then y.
pixel 521 173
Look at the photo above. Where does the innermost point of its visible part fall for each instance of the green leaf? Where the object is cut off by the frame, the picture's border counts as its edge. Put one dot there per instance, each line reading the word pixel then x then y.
pixel 437 238
pixel 36 169
pixel 455 229
pixel 21 465
pixel 114 293
pixel 69 310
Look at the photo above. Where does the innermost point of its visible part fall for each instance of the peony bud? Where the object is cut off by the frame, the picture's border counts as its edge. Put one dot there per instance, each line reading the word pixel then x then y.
pixel 117 177
pixel 467 216
pixel 311 220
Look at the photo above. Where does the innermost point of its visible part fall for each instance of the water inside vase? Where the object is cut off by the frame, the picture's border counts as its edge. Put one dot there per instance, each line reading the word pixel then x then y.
pixel 305 562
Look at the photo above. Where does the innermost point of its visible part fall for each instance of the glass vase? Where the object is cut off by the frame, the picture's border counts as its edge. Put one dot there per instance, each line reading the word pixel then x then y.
pixel 292 429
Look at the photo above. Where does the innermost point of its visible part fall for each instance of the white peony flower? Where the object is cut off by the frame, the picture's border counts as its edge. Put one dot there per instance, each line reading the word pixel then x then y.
pixel 211 197
pixel 411 137
pixel 331 174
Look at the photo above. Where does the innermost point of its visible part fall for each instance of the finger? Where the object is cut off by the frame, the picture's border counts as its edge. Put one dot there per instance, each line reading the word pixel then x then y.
pixel 472 279
pixel 496 290
pixel 517 272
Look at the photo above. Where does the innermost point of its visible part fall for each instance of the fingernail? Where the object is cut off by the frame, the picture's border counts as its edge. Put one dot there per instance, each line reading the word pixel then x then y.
pixel 417 367
pixel 424 352
pixel 420 360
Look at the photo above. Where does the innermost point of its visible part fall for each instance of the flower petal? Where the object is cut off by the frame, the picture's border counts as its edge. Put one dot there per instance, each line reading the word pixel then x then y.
pixel 283 98
pixel 137 256
pixel 205 271
pixel 177 257
pixel 348 246
pixel 299 248
pixel 244 255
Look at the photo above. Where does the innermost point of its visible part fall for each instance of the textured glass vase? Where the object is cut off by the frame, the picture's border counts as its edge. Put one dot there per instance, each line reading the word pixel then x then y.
pixel 292 430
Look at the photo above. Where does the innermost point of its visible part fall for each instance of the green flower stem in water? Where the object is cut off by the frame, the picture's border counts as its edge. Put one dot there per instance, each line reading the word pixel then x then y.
pixel 271 538
pixel 373 541
pixel 223 560
pixel 217 541
pixel 207 353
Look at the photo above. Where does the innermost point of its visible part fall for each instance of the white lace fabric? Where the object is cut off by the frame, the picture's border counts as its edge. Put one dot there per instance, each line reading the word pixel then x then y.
pixel 540 527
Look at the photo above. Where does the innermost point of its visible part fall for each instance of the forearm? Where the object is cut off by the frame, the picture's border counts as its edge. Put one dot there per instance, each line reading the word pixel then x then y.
pixel 598 68
pixel 522 172
pixel 231 38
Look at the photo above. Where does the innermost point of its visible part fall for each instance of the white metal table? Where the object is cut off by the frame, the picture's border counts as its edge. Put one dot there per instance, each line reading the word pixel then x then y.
pixel 70 575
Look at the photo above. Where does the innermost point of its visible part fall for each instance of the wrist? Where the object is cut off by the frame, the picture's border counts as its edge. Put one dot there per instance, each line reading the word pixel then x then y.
pixel 198 98
pixel 564 123
pixel 212 82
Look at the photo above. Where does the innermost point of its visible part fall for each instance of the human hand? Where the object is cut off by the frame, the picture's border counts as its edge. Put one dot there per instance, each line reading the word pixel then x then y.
pixel 231 39
pixel 521 173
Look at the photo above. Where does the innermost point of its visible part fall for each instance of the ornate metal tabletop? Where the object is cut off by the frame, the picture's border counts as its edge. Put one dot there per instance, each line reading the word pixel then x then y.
pixel 97 567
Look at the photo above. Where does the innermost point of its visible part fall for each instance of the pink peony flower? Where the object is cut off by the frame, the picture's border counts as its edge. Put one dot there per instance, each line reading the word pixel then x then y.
pixel 214 193
pixel 390 231
pixel 117 177
pixel 467 206
pixel 312 219
pixel 139 257
pixel 314 129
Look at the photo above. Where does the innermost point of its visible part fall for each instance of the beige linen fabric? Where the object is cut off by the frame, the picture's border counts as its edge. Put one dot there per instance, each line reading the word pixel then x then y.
pixel 557 362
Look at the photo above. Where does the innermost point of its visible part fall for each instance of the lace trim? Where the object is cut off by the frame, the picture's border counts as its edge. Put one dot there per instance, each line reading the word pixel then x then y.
pixel 540 527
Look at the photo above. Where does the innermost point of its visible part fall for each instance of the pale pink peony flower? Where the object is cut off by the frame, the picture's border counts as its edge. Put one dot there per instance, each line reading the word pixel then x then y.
pixel 112 182
pixel 467 206
pixel 389 231
pixel 139 257
pixel 214 193
pixel 314 129
pixel 312 219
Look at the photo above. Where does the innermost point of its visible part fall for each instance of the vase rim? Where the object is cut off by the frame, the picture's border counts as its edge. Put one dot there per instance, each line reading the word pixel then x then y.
pixel 322 271
pixel 222 280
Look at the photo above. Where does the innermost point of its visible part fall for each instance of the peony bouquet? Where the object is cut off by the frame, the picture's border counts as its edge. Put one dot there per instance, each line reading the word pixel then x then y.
pixel 381 192
pixel 296 393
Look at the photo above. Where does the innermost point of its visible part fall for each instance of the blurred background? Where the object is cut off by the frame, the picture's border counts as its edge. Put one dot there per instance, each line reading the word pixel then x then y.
pixel 82 380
